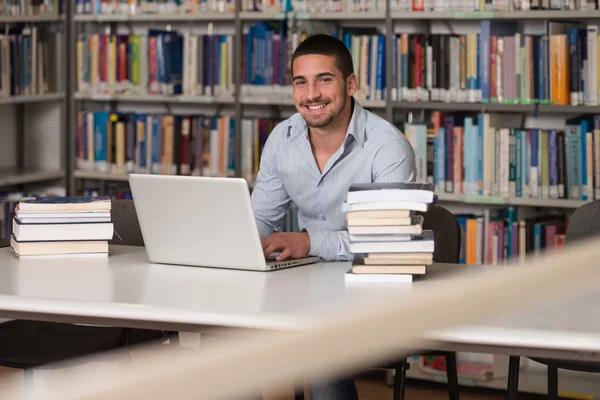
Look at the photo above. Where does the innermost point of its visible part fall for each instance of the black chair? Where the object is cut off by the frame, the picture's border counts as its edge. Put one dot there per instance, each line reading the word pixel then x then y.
pixel 447 236
pixel 583 224
pixel 29 345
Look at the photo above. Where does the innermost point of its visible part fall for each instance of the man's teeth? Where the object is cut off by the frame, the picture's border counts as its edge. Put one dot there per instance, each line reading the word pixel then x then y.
pixel 316 107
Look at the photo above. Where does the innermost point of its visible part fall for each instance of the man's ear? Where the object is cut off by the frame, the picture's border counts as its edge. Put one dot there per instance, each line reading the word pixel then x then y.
pixel 351 84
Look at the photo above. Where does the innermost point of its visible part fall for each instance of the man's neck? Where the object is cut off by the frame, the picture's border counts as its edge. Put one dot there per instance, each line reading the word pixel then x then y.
pixel 330 138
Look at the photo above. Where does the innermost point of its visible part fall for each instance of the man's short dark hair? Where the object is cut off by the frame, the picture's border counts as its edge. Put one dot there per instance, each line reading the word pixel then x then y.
pixel 328 46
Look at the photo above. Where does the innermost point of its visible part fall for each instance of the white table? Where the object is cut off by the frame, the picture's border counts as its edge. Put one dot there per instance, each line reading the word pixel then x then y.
pixel 125 290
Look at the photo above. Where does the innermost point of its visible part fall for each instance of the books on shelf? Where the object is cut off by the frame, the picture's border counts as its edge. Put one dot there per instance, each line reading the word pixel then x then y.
pixel 500 235
pixel 268 49
pixel 491 5
pixel 27 56
pixel 165 63
pixel 31 7
pixel 121 143
pixel 388 242
pixel 494 155
pixel 133 7
pixel 499 65
pixel 60 226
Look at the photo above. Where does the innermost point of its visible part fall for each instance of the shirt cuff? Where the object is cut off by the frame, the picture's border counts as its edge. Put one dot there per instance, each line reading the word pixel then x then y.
pixel 263 229
pixel 324 244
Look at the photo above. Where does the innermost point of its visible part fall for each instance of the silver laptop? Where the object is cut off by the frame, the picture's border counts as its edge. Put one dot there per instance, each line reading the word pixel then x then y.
pixel 201 221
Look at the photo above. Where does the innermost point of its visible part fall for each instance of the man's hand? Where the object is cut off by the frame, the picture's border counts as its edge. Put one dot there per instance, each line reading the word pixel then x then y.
pixel 291 244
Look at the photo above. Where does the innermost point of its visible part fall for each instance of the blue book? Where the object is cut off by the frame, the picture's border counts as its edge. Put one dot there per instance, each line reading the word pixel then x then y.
pixel 379 84
pixel 518 163
pixel 101 120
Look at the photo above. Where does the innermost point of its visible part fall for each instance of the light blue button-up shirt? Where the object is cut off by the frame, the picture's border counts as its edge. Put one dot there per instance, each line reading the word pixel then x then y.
pixel 374 151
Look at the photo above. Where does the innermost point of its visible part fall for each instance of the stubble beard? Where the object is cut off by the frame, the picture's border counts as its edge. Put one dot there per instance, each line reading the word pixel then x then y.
pixel 328 118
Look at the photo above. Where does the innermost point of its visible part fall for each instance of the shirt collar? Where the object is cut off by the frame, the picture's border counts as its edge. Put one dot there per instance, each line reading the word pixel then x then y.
pixel 356 128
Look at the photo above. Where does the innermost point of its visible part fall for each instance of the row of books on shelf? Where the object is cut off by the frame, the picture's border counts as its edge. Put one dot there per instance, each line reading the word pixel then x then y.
pixel 156 63
pixel 134 7
pixel 268 50
pixel 491 5
pixel 182 63
pixel 490 155
pixel 500 236
pixel 279 6
pixel 191 7
pixel 499 65
pixel 30 7
pixel 27 55
pixel 121 143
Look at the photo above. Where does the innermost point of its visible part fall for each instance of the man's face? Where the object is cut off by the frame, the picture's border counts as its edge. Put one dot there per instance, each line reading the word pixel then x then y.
pixel 320 90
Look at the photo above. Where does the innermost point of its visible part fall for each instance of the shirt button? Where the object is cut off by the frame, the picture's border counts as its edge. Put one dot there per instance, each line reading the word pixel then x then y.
pixel 323 217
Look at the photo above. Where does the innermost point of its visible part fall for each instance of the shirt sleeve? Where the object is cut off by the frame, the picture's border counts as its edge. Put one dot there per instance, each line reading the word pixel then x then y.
pixel 329 245
pixel 270 200
pixel 395 162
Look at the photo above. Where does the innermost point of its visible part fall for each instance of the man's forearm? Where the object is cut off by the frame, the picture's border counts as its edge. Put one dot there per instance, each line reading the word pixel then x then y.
pixel 264 229
pixel 329 245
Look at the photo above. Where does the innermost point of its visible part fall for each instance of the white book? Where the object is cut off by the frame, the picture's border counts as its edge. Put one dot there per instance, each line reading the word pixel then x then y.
pixel 379 238
pixel 379 278
pixel 591 98
pixel 362 193
pixel 423 243
pixel 386 205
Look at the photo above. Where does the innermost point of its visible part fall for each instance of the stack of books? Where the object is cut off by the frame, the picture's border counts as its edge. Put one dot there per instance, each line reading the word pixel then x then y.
pixel 386 234
pixel 62 226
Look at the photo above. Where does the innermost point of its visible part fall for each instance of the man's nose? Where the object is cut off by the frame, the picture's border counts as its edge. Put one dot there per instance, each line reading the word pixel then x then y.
pixel 313 92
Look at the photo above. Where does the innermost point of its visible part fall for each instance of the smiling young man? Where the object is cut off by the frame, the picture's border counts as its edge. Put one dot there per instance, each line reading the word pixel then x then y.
pixel 314 156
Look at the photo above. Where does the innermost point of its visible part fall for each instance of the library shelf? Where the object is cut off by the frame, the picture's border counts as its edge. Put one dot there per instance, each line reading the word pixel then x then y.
pixel 285 100
pixel 337 16
pixel 147 98
pixel 262 16
pixel 155 17
pixel 495 107
pixel 50 17
pixel 509 201
pixel 12 176
pixel 37 98
pixel 495 15
pixel 101 176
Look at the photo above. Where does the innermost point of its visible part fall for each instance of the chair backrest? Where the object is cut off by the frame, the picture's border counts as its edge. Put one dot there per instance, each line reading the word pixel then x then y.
pixel 446 233
pixel 126 224
pixel 584 223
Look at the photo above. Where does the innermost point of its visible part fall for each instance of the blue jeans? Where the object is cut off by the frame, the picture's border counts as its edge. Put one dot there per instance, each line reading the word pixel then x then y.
pixel 344 389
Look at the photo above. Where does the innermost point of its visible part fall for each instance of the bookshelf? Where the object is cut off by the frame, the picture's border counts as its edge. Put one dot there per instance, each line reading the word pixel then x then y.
pixel 240 101
pixel 32 101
